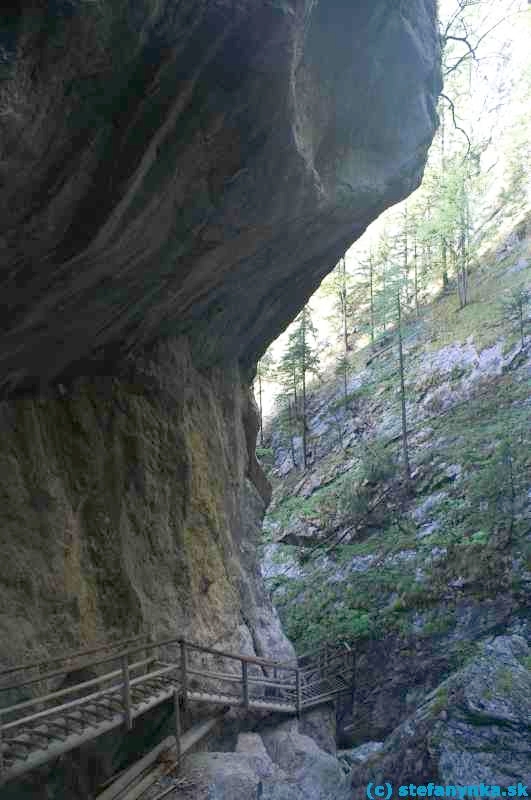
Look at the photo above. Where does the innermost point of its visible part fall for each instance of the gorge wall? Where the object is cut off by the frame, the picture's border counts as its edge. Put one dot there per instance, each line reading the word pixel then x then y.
pixel 176 180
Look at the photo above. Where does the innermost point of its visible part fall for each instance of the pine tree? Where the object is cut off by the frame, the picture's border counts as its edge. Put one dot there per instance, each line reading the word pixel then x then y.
pixel 340 287
pixel 363 296
pixel 299 359
pixel 516 311
pixel 393 294
pixel 264 372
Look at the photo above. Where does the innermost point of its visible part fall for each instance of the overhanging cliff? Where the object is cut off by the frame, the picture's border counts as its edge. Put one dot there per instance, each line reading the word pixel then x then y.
pixel 195 167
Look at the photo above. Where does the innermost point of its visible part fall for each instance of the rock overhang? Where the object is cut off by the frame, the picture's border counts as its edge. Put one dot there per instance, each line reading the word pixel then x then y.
pixel 196 169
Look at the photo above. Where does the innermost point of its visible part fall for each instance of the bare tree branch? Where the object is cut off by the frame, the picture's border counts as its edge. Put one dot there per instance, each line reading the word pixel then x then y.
pixel 456 126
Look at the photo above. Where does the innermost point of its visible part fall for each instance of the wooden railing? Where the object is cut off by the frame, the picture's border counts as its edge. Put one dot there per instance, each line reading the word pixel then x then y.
pixel 133 679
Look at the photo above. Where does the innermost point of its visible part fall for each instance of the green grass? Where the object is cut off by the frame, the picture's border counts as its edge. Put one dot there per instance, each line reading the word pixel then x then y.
pixel 482 318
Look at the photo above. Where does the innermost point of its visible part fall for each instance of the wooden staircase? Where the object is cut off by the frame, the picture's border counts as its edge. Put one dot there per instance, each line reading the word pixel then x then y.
pixel 129 678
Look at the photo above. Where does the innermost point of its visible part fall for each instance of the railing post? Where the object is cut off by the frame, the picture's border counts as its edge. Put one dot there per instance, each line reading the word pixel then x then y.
pixel 178 729
pixel 1 747
pixel 184 678
pixel 298 691
pixel 126 689
pixel 245 678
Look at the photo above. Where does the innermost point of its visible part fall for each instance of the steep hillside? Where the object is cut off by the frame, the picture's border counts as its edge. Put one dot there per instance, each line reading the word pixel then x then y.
pixel 413 576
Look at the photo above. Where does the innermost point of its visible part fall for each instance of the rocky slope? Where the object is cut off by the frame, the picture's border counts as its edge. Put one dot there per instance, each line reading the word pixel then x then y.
pixel 474 728
pixel 414 579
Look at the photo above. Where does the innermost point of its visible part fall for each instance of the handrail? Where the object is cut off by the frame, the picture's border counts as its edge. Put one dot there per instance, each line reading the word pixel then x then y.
pixel 177 675
pixel 47 675
pixel 266 662
pixel 71 689
pixel 68 656
pixel 81 700
pixel 146 646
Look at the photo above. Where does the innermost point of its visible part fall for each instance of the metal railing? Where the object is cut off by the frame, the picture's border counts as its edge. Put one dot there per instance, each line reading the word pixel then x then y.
pixel 137 678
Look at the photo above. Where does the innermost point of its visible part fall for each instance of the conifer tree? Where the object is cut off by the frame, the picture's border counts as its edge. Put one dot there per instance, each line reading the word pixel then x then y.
pixel 299 359
pixel 264 372
pixel 339 286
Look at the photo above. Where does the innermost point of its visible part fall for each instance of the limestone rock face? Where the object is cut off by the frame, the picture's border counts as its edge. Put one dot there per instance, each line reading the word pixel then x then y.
pixel 128 504
pixel 194 168
pixel 474 728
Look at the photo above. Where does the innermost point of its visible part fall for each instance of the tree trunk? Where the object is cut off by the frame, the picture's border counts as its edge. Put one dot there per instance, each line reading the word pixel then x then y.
pixel 371 288
pixel 405 449
pixel 303 372
pixel 416 268
pixel 406 256
pixel 384 288
pixel 292 444
pixel 345 381
pixel 344 303
pixel 444 262
pixel 261 409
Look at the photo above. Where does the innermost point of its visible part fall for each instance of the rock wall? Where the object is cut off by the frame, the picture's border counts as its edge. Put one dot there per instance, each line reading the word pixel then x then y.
pixel 195 167
pixel 473 729
pixel 131 503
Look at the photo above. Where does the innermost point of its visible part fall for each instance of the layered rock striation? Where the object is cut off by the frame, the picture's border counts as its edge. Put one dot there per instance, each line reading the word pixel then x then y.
pixel 194 168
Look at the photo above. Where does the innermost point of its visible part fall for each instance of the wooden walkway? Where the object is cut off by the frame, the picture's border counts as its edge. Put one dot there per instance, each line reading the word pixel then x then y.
pixel 105 688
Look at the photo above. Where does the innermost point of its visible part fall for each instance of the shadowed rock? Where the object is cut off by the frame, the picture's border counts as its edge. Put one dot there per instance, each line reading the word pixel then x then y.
pixel 195 168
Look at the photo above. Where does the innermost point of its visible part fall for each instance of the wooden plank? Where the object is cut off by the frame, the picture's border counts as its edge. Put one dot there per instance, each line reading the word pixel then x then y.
pixel 245 684
pixel 135 791
pixel 131 774
pixel 166 792
pixel 126 696
pixel 60 726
